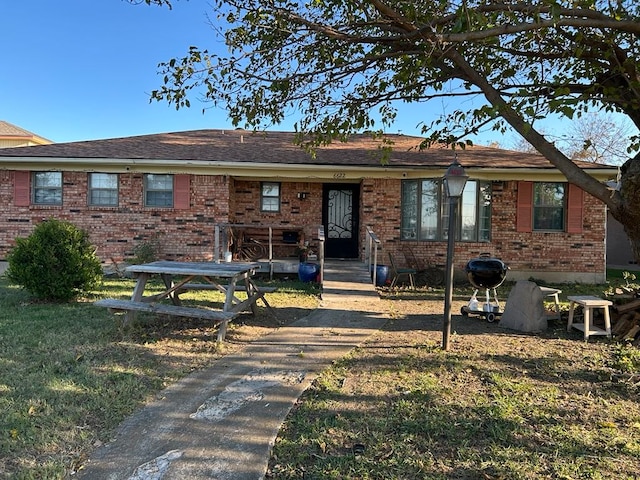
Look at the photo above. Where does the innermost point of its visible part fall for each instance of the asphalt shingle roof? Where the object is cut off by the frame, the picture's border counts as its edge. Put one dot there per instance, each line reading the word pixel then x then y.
pixel 243 146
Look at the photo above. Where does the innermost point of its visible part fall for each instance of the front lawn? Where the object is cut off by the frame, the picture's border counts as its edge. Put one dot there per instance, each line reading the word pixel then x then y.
pixel 498 405
pixel 69 375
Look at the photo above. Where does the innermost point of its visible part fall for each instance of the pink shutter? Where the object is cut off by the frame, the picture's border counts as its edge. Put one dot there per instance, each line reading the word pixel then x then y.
pixel 575 209
pixel 181 192
pixel 21 193
pixel 524 208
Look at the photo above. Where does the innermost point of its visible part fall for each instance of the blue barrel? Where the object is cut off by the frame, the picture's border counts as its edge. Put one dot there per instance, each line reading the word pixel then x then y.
pixel 308 272
pixel 382 275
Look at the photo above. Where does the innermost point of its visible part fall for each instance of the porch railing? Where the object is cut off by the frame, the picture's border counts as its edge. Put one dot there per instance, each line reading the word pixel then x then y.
pixel 371 247
pixel 321 240
pixel 223 237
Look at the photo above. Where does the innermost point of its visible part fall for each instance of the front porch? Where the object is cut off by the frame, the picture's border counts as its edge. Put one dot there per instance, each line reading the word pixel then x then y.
pixel 277 248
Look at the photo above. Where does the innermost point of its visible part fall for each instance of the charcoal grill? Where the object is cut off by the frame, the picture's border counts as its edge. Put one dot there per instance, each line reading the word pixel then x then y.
pixel 485 273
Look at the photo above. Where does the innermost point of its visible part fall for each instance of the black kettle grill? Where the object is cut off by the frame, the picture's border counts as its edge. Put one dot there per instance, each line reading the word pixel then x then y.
pixel 488 273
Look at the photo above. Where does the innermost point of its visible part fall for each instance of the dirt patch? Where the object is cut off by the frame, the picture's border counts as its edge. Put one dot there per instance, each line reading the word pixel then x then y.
pixel 187 344
pixel 498 404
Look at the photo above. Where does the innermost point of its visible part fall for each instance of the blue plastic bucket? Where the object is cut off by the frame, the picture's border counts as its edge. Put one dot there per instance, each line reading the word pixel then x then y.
pixel 382 275
pixel 307 272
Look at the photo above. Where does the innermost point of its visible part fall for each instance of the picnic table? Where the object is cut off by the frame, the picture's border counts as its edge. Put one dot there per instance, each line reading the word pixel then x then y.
pixel 178 277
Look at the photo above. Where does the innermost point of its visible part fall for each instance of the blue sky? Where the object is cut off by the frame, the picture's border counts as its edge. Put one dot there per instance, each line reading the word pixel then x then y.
pixel 84 69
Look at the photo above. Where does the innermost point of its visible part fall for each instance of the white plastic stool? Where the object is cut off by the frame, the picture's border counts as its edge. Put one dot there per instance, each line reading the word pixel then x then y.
pixel 589 303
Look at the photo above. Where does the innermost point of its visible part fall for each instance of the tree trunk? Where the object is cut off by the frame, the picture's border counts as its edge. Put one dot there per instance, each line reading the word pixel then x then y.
pixel 629 212
pixel 633 232
pixel 623 205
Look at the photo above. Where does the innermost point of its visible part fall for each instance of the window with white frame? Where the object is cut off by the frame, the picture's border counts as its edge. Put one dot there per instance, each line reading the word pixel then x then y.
pixel 270 197
pixel 549 206
pixel 158 190
pixel 47 188
pixel 103 189
pixel 425 212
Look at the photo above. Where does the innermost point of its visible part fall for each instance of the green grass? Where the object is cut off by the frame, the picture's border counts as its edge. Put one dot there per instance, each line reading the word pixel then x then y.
pixel 499 405
pixel 69 374
pixel 521 407
pixel 462 416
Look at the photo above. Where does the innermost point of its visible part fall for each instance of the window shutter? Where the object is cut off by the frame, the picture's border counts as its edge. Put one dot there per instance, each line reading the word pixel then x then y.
pixel 524 208
pixel 181 192
pixel 575 209
pixel 21 194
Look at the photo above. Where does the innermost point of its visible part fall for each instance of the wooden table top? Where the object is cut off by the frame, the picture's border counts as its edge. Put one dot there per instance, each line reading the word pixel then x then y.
pixel 211 269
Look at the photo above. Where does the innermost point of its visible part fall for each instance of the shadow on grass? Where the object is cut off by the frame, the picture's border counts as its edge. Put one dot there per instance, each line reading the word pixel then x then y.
pixel 69 374
pixel 498 405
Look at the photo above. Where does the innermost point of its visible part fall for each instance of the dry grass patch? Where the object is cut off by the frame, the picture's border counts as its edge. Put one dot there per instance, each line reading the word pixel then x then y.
pixel 499 405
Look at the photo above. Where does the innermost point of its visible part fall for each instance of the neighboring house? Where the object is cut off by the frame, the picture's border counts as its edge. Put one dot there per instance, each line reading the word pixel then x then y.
pixel 12 136
pixel 175 188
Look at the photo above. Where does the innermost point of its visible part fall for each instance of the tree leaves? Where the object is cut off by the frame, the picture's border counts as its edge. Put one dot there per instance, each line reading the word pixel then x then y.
pixel 328 59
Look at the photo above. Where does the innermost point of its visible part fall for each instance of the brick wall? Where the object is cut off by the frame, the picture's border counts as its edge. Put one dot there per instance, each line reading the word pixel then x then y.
pixel 188 234
pixel 294 212
pixel 557 256
pixel 185 234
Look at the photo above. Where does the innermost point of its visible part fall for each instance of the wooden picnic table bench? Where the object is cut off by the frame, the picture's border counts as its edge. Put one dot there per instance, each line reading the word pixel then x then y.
pixel 228 278
pixel 174 310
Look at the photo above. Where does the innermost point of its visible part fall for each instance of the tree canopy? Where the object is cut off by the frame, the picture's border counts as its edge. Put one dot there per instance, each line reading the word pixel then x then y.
pixel 342 66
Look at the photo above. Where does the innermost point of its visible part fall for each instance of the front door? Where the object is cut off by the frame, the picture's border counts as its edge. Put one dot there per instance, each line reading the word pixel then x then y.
pixel 340 206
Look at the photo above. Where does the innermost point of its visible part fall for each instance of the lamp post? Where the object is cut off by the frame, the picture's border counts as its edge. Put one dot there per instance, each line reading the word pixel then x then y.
pixel 454 181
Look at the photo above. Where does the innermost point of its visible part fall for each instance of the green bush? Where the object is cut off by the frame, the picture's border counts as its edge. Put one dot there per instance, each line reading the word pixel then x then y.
pixel 56 262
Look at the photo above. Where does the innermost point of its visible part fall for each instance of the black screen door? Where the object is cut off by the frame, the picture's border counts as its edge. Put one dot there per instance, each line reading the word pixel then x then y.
pixel 340 207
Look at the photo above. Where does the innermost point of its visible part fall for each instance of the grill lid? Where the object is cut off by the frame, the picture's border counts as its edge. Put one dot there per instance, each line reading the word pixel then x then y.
pixel 486 272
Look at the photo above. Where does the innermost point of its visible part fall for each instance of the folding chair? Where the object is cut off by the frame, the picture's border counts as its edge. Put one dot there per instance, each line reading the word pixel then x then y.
pixel 426 273
pixel 411 259
pixel 401 271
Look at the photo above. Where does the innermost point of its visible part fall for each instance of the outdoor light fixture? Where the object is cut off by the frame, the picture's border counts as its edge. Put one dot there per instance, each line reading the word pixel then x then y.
pixel 454 181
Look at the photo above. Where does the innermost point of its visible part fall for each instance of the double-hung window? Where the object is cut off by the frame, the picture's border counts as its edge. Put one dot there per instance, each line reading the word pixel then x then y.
pixel 270 197
pixel 103 189
pixel 425 211
pixel 549 206
pixel 158 190
pixel 47 188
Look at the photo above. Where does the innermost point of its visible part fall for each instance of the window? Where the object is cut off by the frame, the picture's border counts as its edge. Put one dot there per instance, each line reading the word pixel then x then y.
pixel 270 197
pixel 549 206
pixel 158 190
pixel 103 189
pixel 47 188
pixel 425 211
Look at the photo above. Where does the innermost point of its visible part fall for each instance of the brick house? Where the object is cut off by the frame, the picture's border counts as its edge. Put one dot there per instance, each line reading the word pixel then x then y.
pixel 177 189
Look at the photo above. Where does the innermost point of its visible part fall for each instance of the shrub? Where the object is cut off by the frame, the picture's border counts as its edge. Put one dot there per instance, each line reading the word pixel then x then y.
pixel 56 262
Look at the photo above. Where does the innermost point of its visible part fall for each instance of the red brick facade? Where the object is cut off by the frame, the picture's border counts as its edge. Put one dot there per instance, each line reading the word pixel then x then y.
pixel 188 233
pixel 185 234
pixel 556 256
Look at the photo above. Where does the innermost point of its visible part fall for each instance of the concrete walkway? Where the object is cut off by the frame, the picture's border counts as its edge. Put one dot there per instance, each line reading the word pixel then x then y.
pixel 220 423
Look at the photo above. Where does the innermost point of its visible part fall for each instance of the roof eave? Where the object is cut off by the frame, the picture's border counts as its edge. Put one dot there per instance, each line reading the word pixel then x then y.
pixel 286 171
